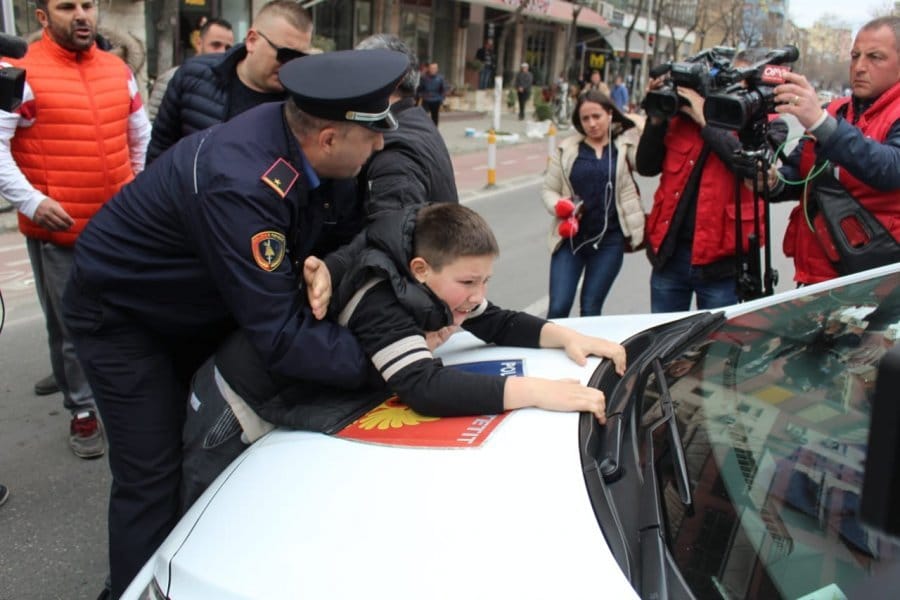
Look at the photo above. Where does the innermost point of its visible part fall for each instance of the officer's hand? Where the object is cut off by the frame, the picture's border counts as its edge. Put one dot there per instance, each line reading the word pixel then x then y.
pixel 51 215
pixel 436 338
pixel 318 285
pixel 694 108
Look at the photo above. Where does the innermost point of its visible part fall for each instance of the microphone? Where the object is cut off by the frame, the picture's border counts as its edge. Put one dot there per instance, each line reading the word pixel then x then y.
pixel 12 46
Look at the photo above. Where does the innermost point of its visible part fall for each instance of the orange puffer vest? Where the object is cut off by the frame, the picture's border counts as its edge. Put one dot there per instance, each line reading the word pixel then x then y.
pixel 76 152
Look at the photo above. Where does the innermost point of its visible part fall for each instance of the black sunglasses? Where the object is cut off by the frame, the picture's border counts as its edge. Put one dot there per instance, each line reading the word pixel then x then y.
pixel 282 54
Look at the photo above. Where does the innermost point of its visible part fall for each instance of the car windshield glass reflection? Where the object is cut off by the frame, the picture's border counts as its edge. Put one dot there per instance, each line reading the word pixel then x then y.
pixel 774 413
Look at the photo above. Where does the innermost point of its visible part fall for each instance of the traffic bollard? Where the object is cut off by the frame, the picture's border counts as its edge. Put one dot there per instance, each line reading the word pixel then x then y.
pixel 551 141
pixel 492 158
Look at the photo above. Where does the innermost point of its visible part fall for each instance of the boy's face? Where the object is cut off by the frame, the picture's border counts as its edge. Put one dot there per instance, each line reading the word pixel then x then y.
pixel 461 284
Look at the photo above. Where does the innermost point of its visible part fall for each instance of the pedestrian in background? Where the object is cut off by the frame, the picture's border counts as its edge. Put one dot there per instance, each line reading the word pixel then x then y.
pixel 432 91
pixel 216 37
pixel 523 82
pixel 619 94
pixel 57 171
pixel 210 89
pixel 595 204
pixel 485 54
pixel 595 82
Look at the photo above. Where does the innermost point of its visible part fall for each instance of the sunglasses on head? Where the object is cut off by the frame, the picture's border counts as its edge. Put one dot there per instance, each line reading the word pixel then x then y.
pixel 282 54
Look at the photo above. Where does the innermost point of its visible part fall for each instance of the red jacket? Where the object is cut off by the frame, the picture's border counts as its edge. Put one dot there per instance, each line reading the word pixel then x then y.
pixel 76 151
pixel 714 228
pixel 811 264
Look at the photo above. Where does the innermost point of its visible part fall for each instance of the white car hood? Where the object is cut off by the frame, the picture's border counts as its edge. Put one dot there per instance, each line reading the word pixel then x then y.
pixel 309 515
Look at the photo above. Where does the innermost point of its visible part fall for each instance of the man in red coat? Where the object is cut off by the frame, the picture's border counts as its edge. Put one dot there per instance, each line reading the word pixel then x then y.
pixel 852 158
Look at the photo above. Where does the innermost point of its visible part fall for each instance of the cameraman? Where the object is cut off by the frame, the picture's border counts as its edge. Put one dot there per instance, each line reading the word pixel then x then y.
pixel 860 136
pixel 690 231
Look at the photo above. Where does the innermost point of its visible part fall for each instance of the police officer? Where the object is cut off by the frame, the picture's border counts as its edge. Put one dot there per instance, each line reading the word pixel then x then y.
pixel 213 237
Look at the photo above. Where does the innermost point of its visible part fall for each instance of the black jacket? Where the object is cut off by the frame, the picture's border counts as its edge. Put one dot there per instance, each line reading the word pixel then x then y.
pixel 389 312
pixel 197 97
pixel 414 168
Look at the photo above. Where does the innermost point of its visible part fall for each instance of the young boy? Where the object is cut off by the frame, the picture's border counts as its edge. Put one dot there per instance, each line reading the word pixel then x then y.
pixel 424 269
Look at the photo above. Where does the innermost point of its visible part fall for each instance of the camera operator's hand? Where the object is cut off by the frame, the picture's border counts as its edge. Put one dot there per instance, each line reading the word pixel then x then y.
pixel 797 97
pixel 51 215
pixel 654 84
pixel 772 177
pixel 694 108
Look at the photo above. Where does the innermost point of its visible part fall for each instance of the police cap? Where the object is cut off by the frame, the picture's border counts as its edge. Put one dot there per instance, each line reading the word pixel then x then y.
pixel 347 85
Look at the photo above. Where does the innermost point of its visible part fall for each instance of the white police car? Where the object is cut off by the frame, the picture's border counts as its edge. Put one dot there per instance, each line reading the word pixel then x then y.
pixel 731 467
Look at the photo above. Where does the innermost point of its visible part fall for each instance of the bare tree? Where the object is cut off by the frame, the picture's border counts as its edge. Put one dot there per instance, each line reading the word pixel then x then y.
pixel 571 37
pixel 637 12
pixel 510 22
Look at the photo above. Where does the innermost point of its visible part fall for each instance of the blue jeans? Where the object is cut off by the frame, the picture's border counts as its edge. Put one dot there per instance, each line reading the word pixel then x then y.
pixel 672 286
pixel 485 79
pixel 600 266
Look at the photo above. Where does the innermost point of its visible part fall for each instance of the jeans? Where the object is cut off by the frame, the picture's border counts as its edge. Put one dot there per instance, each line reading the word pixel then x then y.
pixel 485 79
pixel 600 265
pixel 51 265
pixel 672 286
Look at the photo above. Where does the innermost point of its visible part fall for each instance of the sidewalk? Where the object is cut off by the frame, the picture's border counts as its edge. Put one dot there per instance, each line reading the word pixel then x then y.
pixel 469 154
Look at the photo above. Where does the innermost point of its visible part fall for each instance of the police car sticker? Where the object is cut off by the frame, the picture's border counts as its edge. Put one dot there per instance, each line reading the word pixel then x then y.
pixel 281 177
pixel 268 249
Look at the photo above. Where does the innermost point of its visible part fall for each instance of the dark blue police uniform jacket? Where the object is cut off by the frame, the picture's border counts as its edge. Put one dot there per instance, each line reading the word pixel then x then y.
pixel 213 231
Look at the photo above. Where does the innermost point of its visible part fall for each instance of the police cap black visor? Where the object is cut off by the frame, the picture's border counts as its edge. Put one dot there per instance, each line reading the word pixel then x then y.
pixel 347 85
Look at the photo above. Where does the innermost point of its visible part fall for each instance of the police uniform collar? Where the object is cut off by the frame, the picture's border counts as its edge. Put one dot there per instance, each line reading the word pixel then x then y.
pixel 347 85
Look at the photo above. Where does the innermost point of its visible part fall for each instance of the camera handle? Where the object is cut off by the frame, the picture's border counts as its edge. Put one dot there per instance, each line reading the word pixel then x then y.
pixel 753 281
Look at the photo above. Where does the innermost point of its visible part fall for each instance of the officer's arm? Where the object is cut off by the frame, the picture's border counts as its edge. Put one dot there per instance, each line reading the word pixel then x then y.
pixel 243 246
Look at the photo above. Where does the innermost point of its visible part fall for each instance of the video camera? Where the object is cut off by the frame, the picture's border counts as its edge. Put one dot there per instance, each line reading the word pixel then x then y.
pixel 12 79
pixel 699 73
pixel 749 96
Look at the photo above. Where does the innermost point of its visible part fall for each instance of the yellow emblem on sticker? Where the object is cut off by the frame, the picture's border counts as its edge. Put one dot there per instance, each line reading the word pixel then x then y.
pixel 268 249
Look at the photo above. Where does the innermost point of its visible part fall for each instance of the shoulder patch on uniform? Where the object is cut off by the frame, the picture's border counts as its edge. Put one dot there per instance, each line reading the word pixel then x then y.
pixel 268 249
pixel 281 177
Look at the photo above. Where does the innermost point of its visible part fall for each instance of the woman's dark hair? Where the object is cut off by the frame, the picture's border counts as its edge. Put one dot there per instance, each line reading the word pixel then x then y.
pixel 598 97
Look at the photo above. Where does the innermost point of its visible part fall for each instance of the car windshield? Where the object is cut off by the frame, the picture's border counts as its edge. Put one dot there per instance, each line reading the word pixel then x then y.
pixel 774 411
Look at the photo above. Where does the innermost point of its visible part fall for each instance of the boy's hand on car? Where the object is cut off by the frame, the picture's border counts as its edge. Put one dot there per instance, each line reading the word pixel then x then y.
pixel 562 395
pixel 578 347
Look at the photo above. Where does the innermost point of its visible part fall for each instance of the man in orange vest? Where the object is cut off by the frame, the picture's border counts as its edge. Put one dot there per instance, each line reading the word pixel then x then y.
pixel 79 135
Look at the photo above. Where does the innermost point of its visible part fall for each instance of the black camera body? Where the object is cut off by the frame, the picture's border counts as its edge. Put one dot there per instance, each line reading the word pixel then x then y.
pixel 699 73
pixel 750 94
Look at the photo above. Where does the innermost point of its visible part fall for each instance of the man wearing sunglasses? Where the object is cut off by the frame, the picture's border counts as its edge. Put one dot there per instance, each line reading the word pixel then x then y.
pixel 210 89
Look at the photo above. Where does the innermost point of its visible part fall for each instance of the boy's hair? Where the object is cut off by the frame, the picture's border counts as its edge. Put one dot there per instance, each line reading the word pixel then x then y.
pixel 447 231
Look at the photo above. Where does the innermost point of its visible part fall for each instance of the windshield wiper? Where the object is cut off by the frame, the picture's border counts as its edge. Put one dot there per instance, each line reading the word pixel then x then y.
pixel 666 340
pixel 653 546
